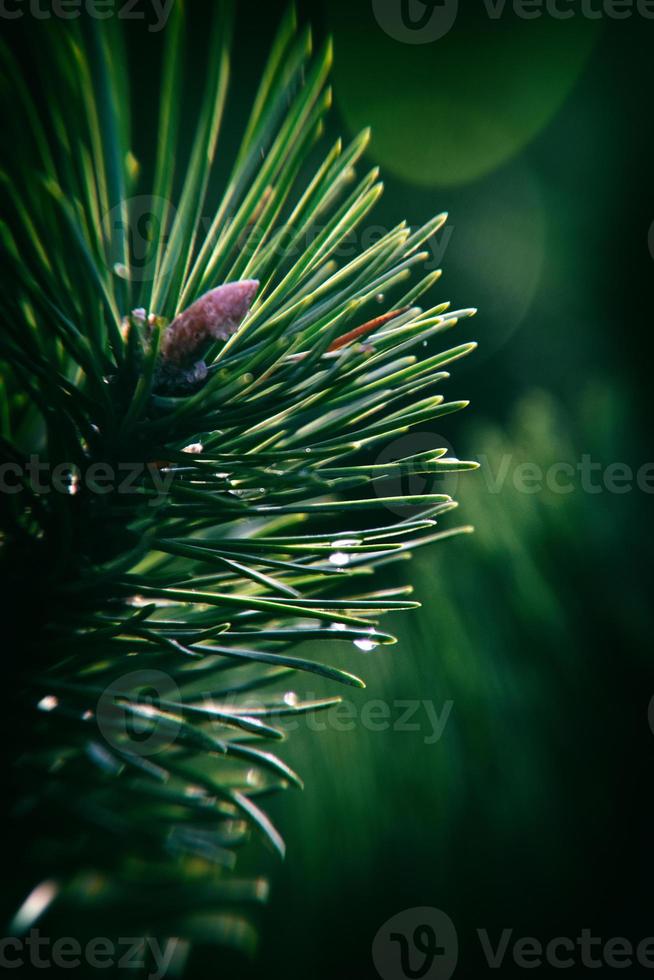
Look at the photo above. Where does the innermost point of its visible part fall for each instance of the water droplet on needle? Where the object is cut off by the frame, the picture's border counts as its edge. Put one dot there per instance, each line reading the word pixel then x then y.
pixel 365 645
pixel 340 559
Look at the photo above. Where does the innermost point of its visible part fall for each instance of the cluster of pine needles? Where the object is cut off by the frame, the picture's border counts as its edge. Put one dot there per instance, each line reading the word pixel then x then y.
pixel 272 521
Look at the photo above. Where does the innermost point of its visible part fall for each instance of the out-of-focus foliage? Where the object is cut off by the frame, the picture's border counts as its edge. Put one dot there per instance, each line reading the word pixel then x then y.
pixel 514 669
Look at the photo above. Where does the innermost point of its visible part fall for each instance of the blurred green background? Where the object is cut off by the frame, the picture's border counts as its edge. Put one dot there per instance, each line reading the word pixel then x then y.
pixel 534 640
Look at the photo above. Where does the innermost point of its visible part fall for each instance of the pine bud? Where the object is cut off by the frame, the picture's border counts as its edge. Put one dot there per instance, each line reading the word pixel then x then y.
pixel 214 316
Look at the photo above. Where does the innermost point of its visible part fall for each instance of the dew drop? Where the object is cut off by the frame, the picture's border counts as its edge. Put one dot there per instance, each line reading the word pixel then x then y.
pixel 340 559
pixel 34 906
pixel 48 703
pixel 365 645
pixel 138 601
pixel 194 792
pixel 253 778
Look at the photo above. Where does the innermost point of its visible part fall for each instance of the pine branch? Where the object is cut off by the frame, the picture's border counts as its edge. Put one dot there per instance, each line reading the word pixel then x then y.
pixel 238 378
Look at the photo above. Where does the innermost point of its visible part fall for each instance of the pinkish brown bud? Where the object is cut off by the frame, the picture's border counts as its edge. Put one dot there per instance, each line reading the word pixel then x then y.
pixel 214 316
